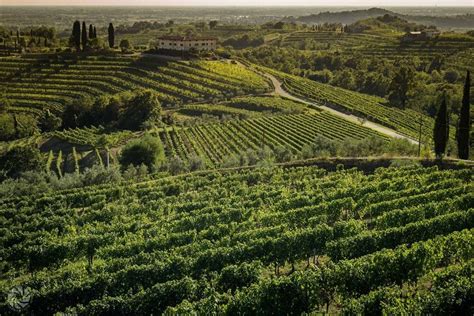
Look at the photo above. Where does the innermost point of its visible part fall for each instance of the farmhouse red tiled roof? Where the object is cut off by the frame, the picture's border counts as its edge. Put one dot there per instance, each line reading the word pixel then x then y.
pixel 185 38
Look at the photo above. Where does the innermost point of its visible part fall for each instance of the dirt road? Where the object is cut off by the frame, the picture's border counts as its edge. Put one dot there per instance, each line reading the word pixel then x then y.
pixel 352 118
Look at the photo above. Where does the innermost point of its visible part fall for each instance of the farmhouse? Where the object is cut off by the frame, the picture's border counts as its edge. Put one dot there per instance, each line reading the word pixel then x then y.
pixel 185 43
pixel 420 36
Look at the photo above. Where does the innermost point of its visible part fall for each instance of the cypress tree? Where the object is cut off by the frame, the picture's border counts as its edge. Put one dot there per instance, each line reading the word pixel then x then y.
pixel 441 130
pixel 95 32
pixel 111 35
pixel 464 121
pixel 91 32
pixel 84 36
pixel 76 34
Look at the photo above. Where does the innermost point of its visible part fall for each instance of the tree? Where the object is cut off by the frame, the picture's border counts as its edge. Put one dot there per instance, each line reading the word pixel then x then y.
pixel 441 129
pixel 147 150
pixel 141 109
pixel 124 45
pixel 76 34
pixel 400 86
pixel 78 113
pixel 20 159
pixel 464 121
pixel 49 122
pixel 91 31
pixel 95 32
pixel 84 36
pixel 111 35
pixel 212 24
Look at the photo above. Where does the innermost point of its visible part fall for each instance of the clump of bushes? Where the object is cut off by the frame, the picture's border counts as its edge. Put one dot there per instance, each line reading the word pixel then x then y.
pixel 132 111
pixel 14 126
pixel 372 146
pixel 20 159
pixel 146 150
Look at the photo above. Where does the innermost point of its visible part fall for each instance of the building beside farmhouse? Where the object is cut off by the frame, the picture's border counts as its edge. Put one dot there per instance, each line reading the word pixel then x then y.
pixel 186 43
pixel 420 35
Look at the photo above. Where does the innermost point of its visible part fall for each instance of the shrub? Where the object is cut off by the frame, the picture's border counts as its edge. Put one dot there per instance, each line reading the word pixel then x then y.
pixel 49 122
pixel 283 154
pixel 147 150
pixel 14 126
pixel 98 174
pixel 196 163
pixel 176 165
pixel 231 161
pixel 21 159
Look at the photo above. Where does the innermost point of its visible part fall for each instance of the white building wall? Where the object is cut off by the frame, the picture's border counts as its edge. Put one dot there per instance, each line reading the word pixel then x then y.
pixel 185 45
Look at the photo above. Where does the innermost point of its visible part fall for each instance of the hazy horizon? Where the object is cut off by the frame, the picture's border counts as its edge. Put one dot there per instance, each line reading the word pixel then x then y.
pixel 240 3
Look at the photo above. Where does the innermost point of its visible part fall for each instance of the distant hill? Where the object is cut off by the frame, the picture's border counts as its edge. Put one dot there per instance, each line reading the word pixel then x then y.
pixel 345 17
pixel 384 23
pixel 465 21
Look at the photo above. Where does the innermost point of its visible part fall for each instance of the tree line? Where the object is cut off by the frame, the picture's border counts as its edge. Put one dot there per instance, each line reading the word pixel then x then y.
pixel 441 127
pixel 81 38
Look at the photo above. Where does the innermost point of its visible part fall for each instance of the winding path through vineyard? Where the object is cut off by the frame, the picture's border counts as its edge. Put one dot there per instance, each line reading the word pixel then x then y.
pixel 377 127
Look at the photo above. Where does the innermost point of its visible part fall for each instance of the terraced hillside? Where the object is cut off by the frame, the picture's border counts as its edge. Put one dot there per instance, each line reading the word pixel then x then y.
pixel 34 84
pixel 334 40
pixel 255 241
pixel 254 123
pixel 218 142
pixel 462 60
pixel 387 46
pixel 245 107
pixel 371 107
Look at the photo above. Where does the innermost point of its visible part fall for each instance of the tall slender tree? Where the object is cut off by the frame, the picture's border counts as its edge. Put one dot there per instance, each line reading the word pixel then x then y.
pixel 441 129
pixel 464 121
pixel 91 31
pixel 95 32
pixel 76 34
pixel 84 36
pixel 111 35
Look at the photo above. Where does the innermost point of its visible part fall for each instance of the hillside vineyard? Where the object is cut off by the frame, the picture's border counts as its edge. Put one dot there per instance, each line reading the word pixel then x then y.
pixel 40 83
pixel 290 160
pixel 256 241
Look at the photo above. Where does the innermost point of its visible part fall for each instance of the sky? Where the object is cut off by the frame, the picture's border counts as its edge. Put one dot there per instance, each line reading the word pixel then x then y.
pixel 371 3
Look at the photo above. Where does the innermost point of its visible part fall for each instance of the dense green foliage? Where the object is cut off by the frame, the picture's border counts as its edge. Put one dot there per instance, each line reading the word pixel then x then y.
pixel 464 125
pixel 146 151
pixel 20 159
pixel 111 35
pixel 441 130
pixel 256 241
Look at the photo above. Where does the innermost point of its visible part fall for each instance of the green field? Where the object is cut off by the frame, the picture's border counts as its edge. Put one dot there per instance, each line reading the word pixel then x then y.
pixel 256 241
pixel 36 83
